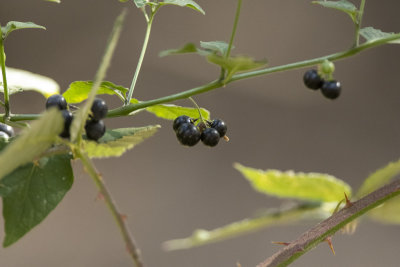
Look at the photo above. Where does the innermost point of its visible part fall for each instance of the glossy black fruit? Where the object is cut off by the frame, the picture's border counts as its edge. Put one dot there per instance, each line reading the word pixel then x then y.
pixel 331 89
pixel 95 129
pixel 312 80
pixel 210 137
pixel 220 126
pixel 6 129
pixel 181 120
pixel 4 136
pixel 67 116
pixel 56 101
pixel 188 134
pixel 99 109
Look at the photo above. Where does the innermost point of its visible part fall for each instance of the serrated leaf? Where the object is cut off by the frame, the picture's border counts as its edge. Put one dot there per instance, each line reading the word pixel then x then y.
pixel 379 178
pixel 370 34
pixel 171 112
pixel 184 3
pixel 186 49
pixel 79 91
pixel 31 192
pixel 388 212
pixel 16 25
pixel 235 64
pixel 304 186
pixel 342 5
pixel 273 217
pixel 140 3
pixel 115 142
pixel 22 80
pixel 32 142
pixel 216 46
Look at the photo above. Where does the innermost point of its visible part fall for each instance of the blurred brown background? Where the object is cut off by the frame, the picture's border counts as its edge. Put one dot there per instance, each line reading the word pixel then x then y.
pixel 168 190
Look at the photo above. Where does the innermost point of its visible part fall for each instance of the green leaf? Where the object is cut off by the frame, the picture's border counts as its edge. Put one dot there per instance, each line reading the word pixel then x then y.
pixel 171 112
pixel 140 3
pixel 235 64
pixel 32 142
pixel 115 142
pixel 273 217
pixel 303 186
pixel 22 80
pixel 388 212
pixel 54 1
pixel 16 25
pixel 186 49
pixel 342 5
pixel 79 91
pixel 188 3
pixel 379 178
pixel 216 46
pixel 370 34
pixel 31 192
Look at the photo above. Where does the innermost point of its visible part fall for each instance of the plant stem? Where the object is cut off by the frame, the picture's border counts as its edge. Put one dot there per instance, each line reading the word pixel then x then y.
pixel 358 23
pixel 198 109
pixel 235 23
pixel 330 226
pixel 142 53
pixel 126 110
pixel 123 111
pixel 121 222
pixel 3 71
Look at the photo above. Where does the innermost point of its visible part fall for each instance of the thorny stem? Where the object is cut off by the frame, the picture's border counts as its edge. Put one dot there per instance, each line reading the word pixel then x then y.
pixel 330 226
pixel 3 71
pixel 121 222
pixel 126 110
pixel 228 52
pixel 142 53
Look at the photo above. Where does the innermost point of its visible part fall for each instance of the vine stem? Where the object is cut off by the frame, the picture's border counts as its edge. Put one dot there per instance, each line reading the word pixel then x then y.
pixel 3 71
pixel 126 110
pixel 121 222
pixel 142 53
pixel 358 23
pixel 330 226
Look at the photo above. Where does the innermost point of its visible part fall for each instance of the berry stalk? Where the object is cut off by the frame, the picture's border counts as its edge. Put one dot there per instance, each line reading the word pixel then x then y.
pixel 3 71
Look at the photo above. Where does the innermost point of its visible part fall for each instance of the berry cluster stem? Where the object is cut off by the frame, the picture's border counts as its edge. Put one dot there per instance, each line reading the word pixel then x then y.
pixel 142 53
pixel 3 71
pixel 121 222
pixel 330 226
pixel 198 109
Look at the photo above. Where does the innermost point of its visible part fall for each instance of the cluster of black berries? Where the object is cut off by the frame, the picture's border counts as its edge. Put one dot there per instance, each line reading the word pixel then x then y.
pixel 94 127
pixel 330 89
pixel 189 134
pixel 6 131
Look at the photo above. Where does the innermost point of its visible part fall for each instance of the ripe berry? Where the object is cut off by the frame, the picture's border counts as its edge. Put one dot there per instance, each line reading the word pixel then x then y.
pixel 181 120
pixel 220 126
pixel 188 134
pixel 210 137
pixel 67 116
pixel 4 136
pixel 312 79
pixel 331 89
pixel 6 129
pixel 56 101
pixel 95 129
pixel 99 109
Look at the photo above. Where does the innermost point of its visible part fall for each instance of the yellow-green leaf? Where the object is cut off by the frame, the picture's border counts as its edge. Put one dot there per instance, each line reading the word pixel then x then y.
pixel 171 112
pixel 79 91
pixel 304 186
pixel 388 212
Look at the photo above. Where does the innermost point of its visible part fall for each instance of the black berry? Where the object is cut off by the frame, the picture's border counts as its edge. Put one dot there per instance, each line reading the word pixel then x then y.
pixel 210 137
pixel 331 89
pixel 188 134
pixel 181 120
pixel 220 126
pixel 6 129
pixel 67 116
pixel 56 101
pixel 95 129
pixel 312 80
pixel 4 136
pixel 99 109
